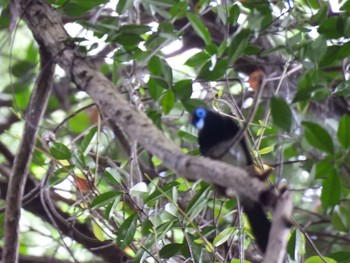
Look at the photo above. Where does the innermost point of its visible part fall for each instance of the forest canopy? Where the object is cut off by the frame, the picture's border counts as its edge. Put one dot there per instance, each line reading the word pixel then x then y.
pixel 99 161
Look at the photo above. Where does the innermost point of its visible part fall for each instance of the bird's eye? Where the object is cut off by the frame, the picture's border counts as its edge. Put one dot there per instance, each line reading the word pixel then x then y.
pixel 201 113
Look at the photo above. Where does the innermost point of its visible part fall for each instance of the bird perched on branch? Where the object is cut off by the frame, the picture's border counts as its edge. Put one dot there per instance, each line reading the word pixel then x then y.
pixel 216 133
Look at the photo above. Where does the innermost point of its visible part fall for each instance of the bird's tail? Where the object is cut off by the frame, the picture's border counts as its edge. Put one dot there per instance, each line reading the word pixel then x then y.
pixel 259 223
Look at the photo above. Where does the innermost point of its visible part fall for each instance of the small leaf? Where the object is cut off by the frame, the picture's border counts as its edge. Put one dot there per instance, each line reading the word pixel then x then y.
pixel 138 189
pixel 127 231
pixel 59 151
pixel 170 250
pixel 98 232
pixel 331 190
pixel 341 219
pixel 104 199
pixel 209 73
pixel 21 68
pixel 238 45
pixel 187 137
pixel 197 60
pixel 85 143
pixel 156 87
pixel 223 236
pixel 234 14
pixel 343 131
pixel 155 66
pixel 343 89
pixel 168 101
pixel 191 104
pixel 183 89
pixel 266 150
pixel 113 175
pixel 123 5
pixel 199 27
pixel 281 113
pixel 318 137
pixel 159 192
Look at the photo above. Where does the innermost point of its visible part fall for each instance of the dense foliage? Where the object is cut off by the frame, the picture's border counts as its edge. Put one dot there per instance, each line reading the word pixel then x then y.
pixel 281 65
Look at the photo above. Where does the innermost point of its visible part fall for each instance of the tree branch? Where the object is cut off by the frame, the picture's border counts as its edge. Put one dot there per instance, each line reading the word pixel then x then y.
pixel 23 158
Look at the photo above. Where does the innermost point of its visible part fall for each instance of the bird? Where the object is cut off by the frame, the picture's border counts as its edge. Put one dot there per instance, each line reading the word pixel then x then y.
pixel 215 135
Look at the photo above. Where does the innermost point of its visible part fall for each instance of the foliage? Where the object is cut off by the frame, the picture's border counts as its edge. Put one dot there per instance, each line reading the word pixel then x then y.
pixel 123 193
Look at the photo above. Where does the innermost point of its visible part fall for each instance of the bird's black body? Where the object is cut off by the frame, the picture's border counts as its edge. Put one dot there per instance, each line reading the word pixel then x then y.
pixel 215 139
pixel 219 130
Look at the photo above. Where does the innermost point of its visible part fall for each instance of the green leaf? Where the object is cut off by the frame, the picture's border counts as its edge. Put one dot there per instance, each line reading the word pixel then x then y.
pixel 187 137
pixel 79 122
pixel 127 40
pixel 238 45
pixel 197 60
pixel 343 89
pixel 85 143
pixel 113 175
pixel 318 137
pixel 223 236
pixel 324 167
pixel 170 250
pixel 281 113
pixel 341 219
pixel 78 7
pixel 156 118
pixel 98 231
pixel 168 101
pixel 160 67
pixel 341 256
pixel 199 27
pixel 321 14
pixel 198 203
pixel 209 73
pixel 127 231
pixel 104 199
pixel 123 5
pixel 183 89
pixel 59 151
pixel 156 87
pixel 78 159
pixel 266 150
pixel 317 259
pixel 331 190
pixel 158 193
pixel 234 14
pixel 343 131
pixel 329 28
pixel 191 104
pixel 21 68
pixel 155 66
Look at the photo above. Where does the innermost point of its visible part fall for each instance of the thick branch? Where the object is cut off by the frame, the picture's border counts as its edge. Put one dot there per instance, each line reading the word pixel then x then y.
pixel 23 158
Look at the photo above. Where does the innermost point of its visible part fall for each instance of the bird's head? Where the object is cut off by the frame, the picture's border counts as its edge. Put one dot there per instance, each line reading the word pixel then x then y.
pixel 198 117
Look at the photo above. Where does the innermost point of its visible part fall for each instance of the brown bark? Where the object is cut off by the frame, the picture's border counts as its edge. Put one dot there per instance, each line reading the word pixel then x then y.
pixel 23 158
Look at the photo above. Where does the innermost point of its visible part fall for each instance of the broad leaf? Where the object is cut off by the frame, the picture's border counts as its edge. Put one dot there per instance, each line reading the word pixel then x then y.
pixel 127 231
pixel 104 199
pixel 59 151
pixel 343 131
pixel 331 190
pixel 318 137
pixel 199 27
pixel 281 113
